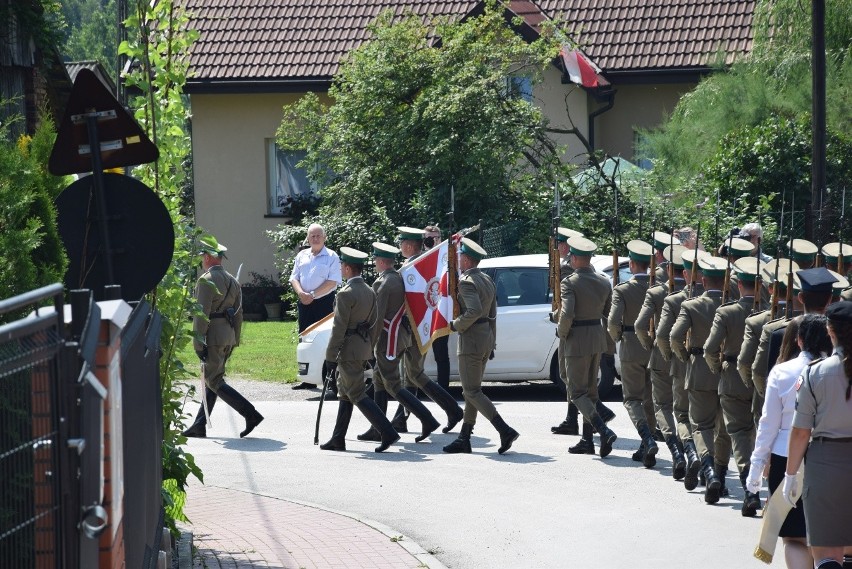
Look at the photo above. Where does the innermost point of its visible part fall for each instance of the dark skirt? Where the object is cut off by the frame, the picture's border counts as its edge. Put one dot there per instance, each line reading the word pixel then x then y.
pixel 827 493
pixel 794 523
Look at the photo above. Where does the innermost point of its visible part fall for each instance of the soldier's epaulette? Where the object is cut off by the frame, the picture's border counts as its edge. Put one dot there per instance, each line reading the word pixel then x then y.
pixel 776 319
pixel 758 312
pixel 675 292
pixel 816 361
pixel 730 302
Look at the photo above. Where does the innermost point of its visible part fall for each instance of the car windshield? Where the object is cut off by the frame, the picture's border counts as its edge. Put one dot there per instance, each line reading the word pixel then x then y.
pixel 520 286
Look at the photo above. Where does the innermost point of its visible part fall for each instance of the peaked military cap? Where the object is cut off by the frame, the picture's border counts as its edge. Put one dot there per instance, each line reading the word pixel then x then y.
pixel 640 251
pixel 831 251
pixel 840 283
pixel 210 246
pixel 688 256
pixel 663 240
pixel 738 247
pixel 472 249
pixel 747 268
pixel 816 280
pixel 352 256
pixel 839 311
pixel 712 266
pixel 802 250
pixel 767 270
pixel 385 250
pixel 564 234
pixel 410 233
pixel 581 246
pixel 674 254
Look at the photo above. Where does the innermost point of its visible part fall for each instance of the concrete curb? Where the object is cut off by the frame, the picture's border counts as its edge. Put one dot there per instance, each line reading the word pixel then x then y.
pixel 183 548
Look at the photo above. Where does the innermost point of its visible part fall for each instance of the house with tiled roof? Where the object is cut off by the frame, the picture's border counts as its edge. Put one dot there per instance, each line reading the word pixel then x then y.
pixel 254 56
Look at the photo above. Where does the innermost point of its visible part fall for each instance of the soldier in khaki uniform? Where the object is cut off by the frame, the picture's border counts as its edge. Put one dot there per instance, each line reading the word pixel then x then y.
pixel 586 298
pixel 217 333
pixel 693 325
pixel 804 252
pixel 390 342
pixel 661 374
pixel 353 332
pixel 570 425
pixel 720 351
pixel 477 328
pixel 627 299
pixel 732 249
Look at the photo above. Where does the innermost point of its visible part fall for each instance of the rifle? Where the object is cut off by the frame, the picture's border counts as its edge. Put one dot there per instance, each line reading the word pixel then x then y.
pixel 671 260
pixel 329 377
pixel 554 258
pixel 819 261
pixel 695 261
pixel 756 302
pixel 726 291
pixel 788 309
pixel 615 237
pixel 773 302
pixel 718 213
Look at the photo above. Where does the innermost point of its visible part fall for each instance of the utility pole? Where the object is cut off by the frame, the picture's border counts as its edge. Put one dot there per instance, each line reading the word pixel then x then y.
pixel 818 118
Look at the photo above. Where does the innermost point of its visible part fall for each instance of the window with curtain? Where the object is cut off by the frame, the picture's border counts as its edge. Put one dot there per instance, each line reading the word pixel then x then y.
pixel 287 182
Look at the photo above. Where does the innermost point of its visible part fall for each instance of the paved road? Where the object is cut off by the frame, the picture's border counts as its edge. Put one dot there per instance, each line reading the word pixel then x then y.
pixel 536 506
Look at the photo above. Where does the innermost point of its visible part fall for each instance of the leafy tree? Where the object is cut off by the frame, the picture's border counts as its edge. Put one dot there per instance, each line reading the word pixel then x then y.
pixel 95 37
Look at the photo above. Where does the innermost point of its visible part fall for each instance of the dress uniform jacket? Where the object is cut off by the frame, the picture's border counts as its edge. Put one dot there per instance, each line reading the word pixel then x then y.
pixel 751 339
pixel 723 345
pixel 627 300
pixel 586 296
pixel 668 316
pixel 355 303
pixel 696 317
pixel 477 321
pixel 216 292
pixel 761 366
pixel 652 309
pixel 390 295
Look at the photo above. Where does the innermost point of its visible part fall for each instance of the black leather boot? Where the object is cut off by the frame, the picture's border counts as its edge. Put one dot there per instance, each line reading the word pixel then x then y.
pixel 586 445
pixel 751 502
pixel 605 412
pixel 607 436
pixel 714 484
pixel 378 419
pixel 722 473
pixel 371 434
pixel 508 435
pixel 338 436
pixel 443 373
pixel 416 408
pixel 400 420
pixel 658 436
pixel 678 461
pixel 639 454
pixel 462 443
pixel 242 406
pixel 446 402
pixel 693 465
pixel 570 426
pixel 651 448
pixel 198 429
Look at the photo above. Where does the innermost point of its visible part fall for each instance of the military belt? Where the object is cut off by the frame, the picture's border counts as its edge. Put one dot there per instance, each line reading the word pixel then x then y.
pixel 628 329
pixel 482 321
pixel 217 315
pixel 730 359
pixel 696 351
pixel 580 323
pixel 833 439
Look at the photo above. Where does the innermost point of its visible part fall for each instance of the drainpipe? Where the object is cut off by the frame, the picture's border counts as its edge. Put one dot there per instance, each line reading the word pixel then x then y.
pixel 609 97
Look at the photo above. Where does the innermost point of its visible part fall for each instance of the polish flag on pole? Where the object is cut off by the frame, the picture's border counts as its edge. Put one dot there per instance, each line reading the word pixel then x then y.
pixel 428 302
pixel 580 70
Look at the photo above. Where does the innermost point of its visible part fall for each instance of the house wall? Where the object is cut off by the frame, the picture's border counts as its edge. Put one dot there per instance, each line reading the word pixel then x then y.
pixel 230 167
pixel 550 96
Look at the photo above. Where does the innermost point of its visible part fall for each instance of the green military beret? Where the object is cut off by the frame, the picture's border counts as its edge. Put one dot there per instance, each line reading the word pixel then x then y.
pixel 352 256
pixel 831 252
pixel 472 249
pixel 385 250
pixel 802 250
pixel 208 245
pixel 747 268
pixel 581 246
pixel 410 233
pixel 639 251
pixel 564 234
pixel 663 240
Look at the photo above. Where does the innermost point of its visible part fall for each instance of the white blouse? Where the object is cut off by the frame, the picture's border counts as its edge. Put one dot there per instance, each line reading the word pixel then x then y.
pixel 779 406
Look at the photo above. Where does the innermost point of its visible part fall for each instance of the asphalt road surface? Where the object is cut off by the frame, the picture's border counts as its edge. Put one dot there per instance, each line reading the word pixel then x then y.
pixel 534 507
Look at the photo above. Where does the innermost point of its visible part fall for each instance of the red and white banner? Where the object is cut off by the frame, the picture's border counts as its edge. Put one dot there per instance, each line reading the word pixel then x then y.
pixel 427 300
pixel 580 70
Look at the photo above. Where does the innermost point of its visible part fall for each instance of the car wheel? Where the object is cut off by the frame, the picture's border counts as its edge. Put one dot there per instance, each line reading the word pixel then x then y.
pixel 554 375
pixel 606 379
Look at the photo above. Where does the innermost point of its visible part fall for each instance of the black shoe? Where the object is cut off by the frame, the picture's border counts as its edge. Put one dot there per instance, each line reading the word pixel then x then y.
pixel 608 437
pixel 446 402
pixel 639 454
pixel 585 445
pixel 722 473
pixel 693 466
pixel 304 385
pixel 370 434
pixel 508 435
pixel 462 443
pixel 565 428
pixel 658 436
pixel 400 425
pixel 196 431
pixel 714 484
pixel 648 460
pixel 605 412
pixel 253 420
pixel 428 422
pixel 678 460
pixel 338 437
pixel 378 419
pixel 751 503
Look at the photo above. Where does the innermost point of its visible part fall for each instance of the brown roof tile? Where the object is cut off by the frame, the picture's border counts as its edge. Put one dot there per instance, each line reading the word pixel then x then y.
pixel 280 40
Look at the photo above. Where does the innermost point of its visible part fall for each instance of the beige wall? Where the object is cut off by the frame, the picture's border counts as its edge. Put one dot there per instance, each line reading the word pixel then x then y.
pixel 636 106
pixel 230 170
pixel 550 95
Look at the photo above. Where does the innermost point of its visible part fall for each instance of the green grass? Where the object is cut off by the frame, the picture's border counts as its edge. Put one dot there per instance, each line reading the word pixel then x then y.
pixel 267 352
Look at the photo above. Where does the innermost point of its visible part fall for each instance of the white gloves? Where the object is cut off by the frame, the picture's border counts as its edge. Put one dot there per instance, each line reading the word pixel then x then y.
pixel 791 489
pixel 755 478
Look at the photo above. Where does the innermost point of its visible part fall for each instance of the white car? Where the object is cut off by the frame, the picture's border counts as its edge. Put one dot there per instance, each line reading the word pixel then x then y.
pixel 526 339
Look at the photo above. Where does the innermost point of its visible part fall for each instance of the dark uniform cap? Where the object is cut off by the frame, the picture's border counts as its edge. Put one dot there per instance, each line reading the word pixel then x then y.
pixel 385 250
pixel 767 270
pixel 472 249
pixel 840 311
pixel 209 245
pixel 674 254
pixel 712 266
pixel 353 256
pixel 639 251
pixel 663 240
pixel 564 234
pixel 688 256
pixel 816 280
pixel 840 283
pixel 831 251
pixel 582 247
pixel 410 233
pixel 738 247
pixel 802 250
pixel 747 268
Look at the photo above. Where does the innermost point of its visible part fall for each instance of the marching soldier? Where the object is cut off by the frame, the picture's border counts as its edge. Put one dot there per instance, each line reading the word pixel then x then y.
pixel 477 328
pixel 217 333
pixel 390 342
pixel 586 298
pixel 570 425
pixel 693 324
pixel 720 351
pixel 733 249
pixel 627 299
pixel 762 363
pixel 803 252
pixel 831 254
pixel 661 370
pixel 661 241
pixel 411 247
pixel 684 290
pixel 349 348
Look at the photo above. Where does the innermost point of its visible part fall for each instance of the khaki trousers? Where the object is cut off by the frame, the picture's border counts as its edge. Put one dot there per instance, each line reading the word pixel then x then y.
pixel 708 426
pixel 583 383
pixel 386 373
pixel 471 370
pixel 413 367
pixel 635 385
pixel 662 390
pixel 739 423
pixel 350 381
pixel 214 367
pixel 680 403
